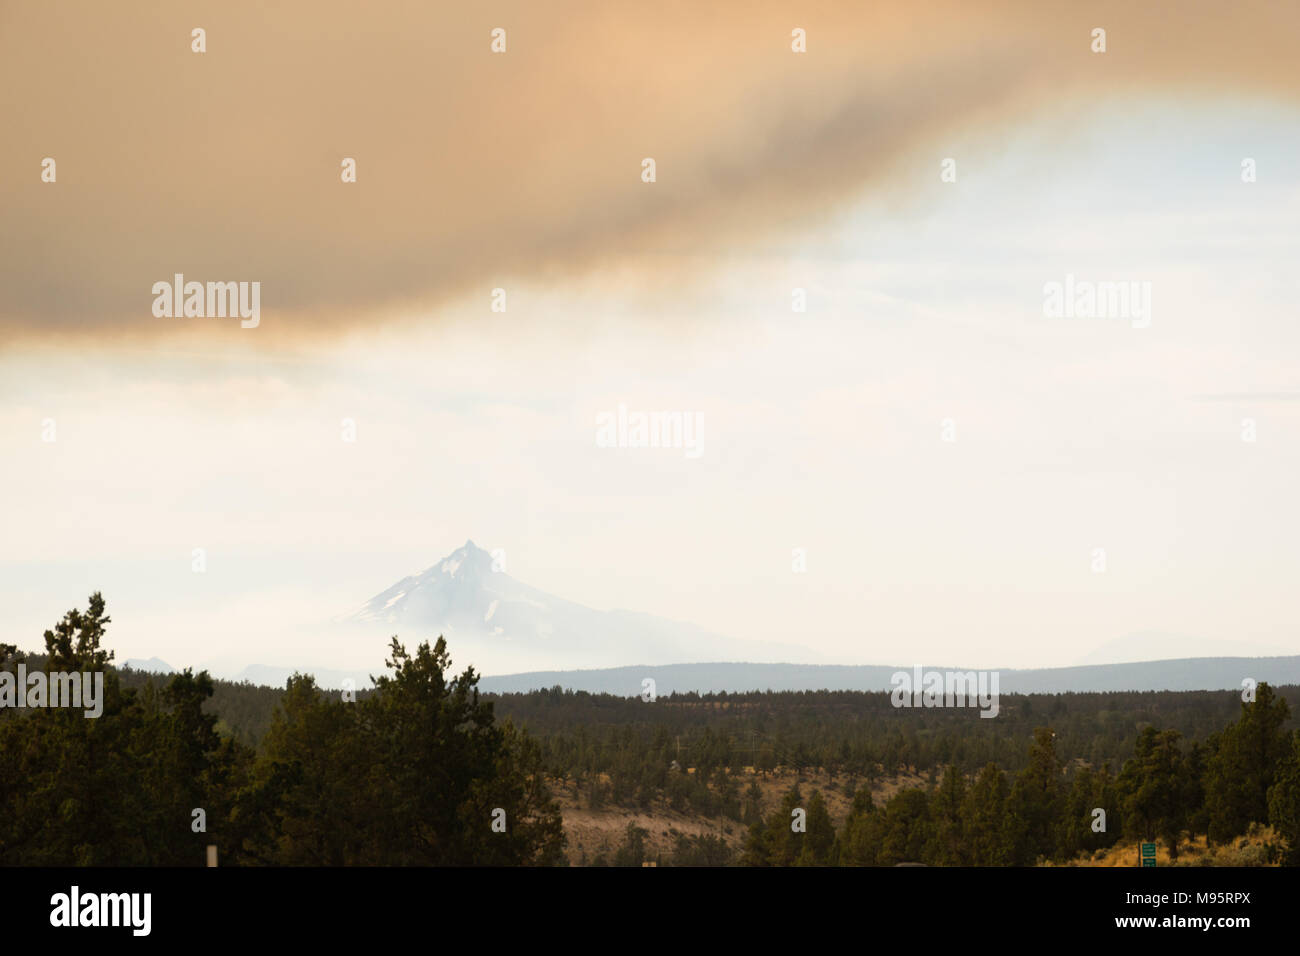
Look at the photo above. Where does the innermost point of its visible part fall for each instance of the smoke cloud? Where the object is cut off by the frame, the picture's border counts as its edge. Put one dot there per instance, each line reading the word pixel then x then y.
pixel 475 168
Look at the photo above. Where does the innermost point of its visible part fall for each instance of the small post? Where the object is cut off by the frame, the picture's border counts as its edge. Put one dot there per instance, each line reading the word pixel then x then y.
pixel 212 854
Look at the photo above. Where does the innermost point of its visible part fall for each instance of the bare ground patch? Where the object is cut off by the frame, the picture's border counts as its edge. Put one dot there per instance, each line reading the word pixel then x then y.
pixel 593 831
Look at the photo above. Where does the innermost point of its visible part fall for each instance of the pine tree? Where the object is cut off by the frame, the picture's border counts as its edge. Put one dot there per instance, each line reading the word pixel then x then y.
pixel 857 844
pixel 119 788
pixel 1284 802
pixel 1035 800
pixel 906 828
pixel 948 847
pixel 1153 788
pixel 1075 833
pixel 1243 767
pixel 819 840
pixel 456 787
pixel 632 851
pixel 986 821
pixel 773 842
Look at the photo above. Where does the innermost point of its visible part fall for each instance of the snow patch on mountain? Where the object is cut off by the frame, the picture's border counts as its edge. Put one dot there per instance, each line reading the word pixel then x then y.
pixel 500 622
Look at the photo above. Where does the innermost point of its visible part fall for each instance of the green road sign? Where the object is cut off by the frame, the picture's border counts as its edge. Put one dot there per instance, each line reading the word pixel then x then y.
pixel 1149 849
pixel 1148 862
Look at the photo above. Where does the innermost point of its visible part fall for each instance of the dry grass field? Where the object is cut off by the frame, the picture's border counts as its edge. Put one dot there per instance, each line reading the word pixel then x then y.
pixel 1255 849
pixel 591 831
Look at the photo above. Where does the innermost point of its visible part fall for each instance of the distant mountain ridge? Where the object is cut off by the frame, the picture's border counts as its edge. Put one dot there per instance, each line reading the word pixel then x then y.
pixel 495 621
pixel 153 665
pixel 530 639
pixel 1208 673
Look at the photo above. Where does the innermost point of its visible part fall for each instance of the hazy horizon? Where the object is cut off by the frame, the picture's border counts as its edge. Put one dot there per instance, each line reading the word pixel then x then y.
pixel 949 456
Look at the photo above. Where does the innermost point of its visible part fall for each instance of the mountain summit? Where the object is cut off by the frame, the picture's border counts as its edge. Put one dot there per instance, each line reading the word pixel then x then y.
pixel 467 590
pixel 498 622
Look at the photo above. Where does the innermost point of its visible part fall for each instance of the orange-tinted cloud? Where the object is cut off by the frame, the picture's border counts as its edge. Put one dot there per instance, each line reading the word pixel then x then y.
pixel 475 167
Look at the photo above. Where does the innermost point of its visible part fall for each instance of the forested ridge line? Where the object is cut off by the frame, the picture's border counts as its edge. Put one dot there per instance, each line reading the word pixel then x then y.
pixel 804 728
pixel 426 770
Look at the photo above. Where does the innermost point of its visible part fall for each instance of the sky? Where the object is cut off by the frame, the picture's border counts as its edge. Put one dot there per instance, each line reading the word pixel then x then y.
pixel 949 457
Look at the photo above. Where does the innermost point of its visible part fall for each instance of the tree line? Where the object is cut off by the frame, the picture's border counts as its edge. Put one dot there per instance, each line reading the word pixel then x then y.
pixel 419 772
pixel 1169 789
pixel 424 769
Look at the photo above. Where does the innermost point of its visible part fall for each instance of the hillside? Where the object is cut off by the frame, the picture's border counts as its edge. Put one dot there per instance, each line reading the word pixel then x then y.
pixel 1207 673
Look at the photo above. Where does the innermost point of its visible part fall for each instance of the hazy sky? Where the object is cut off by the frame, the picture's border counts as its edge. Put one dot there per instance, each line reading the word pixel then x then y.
pixel 821 429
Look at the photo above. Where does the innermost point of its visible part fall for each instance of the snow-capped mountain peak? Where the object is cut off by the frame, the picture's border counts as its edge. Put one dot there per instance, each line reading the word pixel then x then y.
pixel 469 561
pixel 497 621
pixel 463 585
